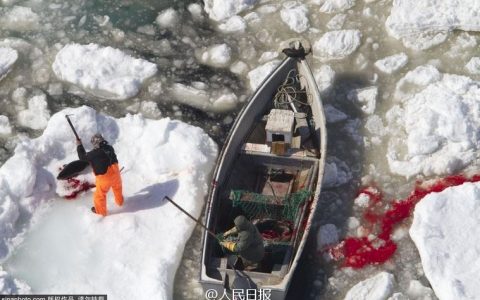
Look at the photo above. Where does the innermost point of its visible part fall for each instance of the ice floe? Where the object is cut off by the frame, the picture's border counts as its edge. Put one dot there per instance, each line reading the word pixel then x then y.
pixel 176 159
pixel 473 65
pixel 324 77
pixel 338 44
pixel 378 287
pixel 364 98
pixel 168 18
pixel 257 75
pixel 439 115
pixel 218 55
pixel 103 71
pixel 8 57
pixel 233 24
pixel 219 10
pixel 429 23
pixel 337 173
pixel 444 229
pixel 334 6
pixel 37 114
pixel 392 63
pixel 295 16
pixel 19 18
pixel 197 95
pixel 5 127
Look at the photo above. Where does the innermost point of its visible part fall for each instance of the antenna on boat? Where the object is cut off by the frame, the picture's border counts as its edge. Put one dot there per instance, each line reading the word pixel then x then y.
pixel 190 216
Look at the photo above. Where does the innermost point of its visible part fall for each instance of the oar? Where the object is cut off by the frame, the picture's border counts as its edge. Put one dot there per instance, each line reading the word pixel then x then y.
pixel 73 128
pixel 190 216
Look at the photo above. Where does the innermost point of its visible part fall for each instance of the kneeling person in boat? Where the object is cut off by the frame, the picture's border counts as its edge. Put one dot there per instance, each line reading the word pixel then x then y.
pixel 249 245
pixel 107 174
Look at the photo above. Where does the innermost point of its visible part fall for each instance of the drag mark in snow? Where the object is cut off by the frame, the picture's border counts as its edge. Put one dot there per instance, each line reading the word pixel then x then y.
pixel 77 186
pixel 378 247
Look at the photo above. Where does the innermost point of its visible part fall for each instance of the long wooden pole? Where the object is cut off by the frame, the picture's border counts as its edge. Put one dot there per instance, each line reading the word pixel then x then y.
pixel 190 216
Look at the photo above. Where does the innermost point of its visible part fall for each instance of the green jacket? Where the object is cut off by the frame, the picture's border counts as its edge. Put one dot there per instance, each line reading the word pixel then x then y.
pixel 250 241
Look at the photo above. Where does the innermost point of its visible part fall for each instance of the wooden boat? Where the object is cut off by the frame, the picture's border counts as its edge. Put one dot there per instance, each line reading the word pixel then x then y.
pixel 269 170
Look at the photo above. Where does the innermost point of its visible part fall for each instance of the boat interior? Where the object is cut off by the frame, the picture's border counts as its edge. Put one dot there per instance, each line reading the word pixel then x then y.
pixel 271 182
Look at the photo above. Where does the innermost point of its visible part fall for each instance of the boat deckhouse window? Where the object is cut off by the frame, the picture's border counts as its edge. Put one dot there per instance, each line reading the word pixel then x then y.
pixel 280 125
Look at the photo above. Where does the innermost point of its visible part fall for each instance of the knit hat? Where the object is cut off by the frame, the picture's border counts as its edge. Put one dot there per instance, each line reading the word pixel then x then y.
pixel 96 140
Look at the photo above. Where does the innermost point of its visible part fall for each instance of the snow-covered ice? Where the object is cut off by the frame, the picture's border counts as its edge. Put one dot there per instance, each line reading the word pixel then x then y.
pixel 445 231
pixel 295 16
pixel 337 173
pixel 431 19
pixel 8 57
pixel 104 71
pixel 258 75
pixel 392 63
pixel 439 115
pixel 334 6
pixel 219 10
pixel 199 97
pixel 233 24
pixel 338 44
pixel 216 55
pixel 473 65
pixel 378 287
pixel 168 18
pixel 37 114
pixel 365 98
pixel 324 77
pixel 161 157
pixel 19 18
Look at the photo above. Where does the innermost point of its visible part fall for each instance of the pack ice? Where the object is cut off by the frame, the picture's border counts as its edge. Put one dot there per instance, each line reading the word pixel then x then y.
pixel 56 245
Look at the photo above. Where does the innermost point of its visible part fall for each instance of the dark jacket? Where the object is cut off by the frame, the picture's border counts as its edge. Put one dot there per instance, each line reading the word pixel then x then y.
pixel 250 241
pixel 100 158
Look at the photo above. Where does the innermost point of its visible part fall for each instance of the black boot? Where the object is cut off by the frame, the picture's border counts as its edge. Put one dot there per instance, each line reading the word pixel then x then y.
pixel 93 210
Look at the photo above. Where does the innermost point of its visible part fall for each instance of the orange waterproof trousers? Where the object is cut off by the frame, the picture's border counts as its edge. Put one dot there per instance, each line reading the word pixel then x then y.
pixel 111 179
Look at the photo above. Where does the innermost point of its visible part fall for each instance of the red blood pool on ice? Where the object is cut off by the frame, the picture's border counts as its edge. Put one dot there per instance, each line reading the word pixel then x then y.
pixel 359 252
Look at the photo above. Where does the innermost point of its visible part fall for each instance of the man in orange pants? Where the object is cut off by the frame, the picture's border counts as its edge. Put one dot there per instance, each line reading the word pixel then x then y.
pixel 107 174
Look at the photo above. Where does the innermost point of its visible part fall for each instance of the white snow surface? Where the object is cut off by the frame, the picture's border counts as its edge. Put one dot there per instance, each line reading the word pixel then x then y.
pixel 37 114
pixel 132 253
pixel 257 75
pixel 473 65
pixel 167 18
pixel 392 63
pixel 104 71
pixel 408 17
pixel 295 16
pixel 334 6
pixel 219 10
pixel 218 55
pixel 378 287
pixel 338 44
pixel 439 114
pixel 364 98
pixel 445 230
pixel 8 57
pixel 233 24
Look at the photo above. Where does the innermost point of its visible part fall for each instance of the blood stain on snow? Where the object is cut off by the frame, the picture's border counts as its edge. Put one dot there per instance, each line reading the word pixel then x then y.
pixel 77 186
pixel 357 252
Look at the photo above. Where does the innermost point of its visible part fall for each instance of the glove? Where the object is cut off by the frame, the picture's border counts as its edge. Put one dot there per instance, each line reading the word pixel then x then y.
pixel 220 236
pixel 78 142
pixel 228 245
